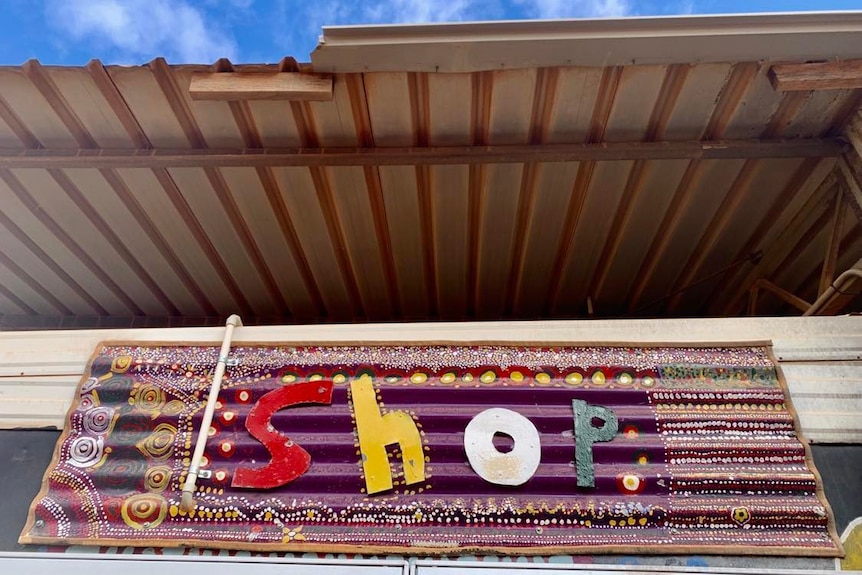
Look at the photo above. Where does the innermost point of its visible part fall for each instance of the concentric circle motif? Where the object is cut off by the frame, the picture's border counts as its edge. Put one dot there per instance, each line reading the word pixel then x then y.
pixel 243 396
pixel 88 401
pixel 144 511
pixel 121 364
pixel 157 478
pixel 173 408
pixel 159 444
pixel 148 398
pixel 740 515
pixel 90 384
pixel 630 483
pixel 99 420
pixel 121 474
pixel 87 452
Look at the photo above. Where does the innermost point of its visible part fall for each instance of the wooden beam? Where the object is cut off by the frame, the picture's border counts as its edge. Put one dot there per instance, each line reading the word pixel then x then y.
pixel 415 156
pixel 838 75
pixel 236 86
pixel 830 259
pixel 847 168
pixel 765 284
pixel 853 131
pixel 776 248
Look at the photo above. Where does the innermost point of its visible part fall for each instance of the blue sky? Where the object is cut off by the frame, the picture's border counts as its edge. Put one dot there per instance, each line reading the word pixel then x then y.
pixel 135 31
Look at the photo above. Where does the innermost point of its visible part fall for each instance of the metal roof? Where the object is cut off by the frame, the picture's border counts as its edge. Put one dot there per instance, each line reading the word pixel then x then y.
pixel 512 191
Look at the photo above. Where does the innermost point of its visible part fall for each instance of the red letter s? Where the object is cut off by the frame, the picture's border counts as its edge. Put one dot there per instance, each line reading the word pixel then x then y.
pixel 289 460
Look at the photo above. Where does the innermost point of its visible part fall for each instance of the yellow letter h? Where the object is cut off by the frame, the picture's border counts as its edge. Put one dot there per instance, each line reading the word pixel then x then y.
pixel 376 431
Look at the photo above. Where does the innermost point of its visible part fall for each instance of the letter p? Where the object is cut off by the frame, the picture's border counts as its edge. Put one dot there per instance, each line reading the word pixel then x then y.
pixel 586 434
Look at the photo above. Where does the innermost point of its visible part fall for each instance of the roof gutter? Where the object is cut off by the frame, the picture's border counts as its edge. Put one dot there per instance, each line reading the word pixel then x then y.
pixel 470 47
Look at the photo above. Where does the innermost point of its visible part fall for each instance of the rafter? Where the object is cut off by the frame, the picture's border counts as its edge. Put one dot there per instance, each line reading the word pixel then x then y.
pixel 850 170
pixel 830 259
pixel 14 158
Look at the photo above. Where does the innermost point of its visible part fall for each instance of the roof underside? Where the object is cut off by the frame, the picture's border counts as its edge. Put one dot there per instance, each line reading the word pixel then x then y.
pixel 389 238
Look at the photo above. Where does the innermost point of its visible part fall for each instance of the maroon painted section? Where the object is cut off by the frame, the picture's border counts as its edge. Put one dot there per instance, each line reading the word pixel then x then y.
pixel 706 454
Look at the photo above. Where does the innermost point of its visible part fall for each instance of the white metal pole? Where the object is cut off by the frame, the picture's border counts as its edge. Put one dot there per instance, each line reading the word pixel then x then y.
pixel 187 502
pixel 834 288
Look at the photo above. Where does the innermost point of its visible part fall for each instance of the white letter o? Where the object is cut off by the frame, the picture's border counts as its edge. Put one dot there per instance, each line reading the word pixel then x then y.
pixel 513 468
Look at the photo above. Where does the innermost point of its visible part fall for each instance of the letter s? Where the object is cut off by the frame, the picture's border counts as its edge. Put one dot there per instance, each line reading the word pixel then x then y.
pixel 289 460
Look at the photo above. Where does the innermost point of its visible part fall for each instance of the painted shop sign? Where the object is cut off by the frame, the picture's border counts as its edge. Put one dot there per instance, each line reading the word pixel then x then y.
pixel 438 449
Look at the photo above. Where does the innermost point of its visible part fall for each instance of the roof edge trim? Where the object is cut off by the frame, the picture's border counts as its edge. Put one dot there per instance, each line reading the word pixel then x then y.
pixel 475 46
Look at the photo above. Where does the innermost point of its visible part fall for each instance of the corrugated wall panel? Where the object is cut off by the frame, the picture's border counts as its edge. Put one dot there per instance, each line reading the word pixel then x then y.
pixel 821 357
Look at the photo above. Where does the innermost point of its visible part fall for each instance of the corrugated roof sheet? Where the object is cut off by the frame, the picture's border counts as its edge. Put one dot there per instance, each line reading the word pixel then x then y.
pixel 523 238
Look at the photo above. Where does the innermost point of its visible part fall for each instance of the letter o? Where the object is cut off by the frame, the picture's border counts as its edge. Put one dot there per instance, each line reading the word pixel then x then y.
pixel 513 468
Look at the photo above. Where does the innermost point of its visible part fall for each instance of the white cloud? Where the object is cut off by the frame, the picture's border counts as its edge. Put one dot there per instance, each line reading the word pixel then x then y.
pixel 403 11
pixel 576 8
pixel 143 29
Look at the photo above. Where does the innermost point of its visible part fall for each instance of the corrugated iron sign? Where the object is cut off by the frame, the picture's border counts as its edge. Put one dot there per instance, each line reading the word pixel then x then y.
pixel 437 449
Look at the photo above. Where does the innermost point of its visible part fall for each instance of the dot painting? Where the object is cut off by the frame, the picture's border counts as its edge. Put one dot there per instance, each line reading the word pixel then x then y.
pixel 433 449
